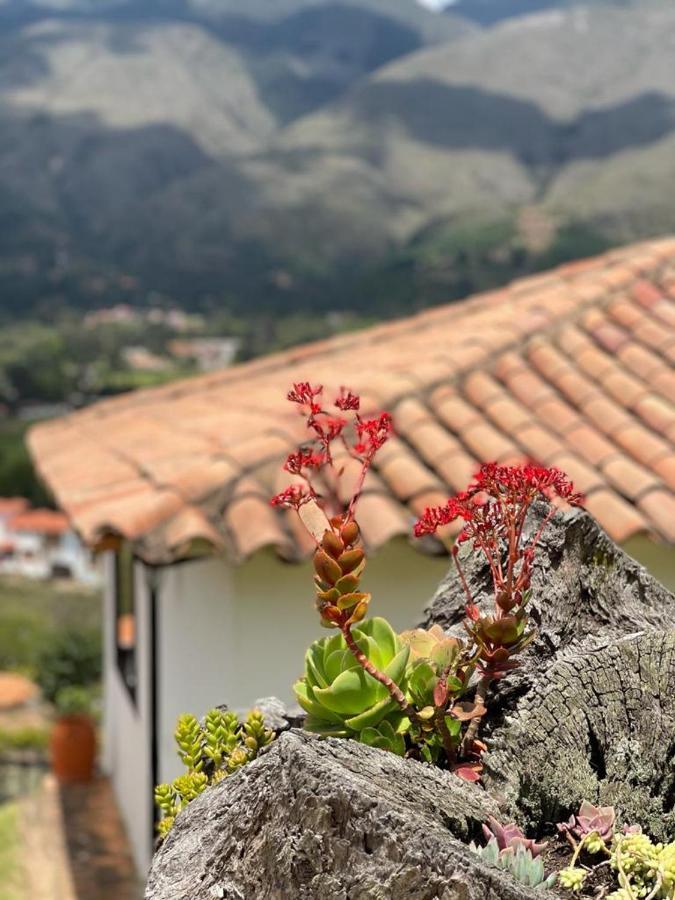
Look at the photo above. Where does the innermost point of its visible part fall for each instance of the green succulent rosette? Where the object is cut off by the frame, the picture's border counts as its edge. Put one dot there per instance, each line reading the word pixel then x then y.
pixel 340 698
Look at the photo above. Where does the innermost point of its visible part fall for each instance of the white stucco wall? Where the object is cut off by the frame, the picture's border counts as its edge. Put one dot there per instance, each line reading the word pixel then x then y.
pixel 233 635
pixel 126 755
pixel 658 559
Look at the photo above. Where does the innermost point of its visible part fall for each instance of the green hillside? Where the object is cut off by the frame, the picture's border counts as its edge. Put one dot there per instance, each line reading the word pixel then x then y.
pixel 573 115
pixel 305 154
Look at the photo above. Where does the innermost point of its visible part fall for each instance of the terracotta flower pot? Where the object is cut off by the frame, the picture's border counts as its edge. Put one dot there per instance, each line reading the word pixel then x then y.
pixel 72 748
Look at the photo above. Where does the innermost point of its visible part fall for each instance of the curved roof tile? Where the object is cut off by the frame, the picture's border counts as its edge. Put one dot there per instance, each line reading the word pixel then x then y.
pixel 573 366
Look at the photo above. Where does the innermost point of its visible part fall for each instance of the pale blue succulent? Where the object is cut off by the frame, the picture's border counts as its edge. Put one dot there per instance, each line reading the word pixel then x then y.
pixel 519 862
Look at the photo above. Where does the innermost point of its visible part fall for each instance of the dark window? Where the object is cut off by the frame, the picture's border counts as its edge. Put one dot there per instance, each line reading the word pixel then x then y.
pixel 125 619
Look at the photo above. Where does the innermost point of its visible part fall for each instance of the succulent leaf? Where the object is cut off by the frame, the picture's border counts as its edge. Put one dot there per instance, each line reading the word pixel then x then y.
pixel 338 694
pixel 519 861
pixel 383 736
pixel 589 820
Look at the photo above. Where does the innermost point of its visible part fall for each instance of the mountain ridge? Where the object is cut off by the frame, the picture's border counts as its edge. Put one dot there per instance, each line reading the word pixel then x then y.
pixel 304 154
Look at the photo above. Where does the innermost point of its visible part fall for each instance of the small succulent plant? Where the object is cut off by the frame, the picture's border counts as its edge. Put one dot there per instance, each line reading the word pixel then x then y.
pixel 220 735
pixel 510 837
pixel 594 825
pixel 209 752
pixel 432 656
pixel 340 698
pixel 572 878
pixel 519 862
pixel 644 869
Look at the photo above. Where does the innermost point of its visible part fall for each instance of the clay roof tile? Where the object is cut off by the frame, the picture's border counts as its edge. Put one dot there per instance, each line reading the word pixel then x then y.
pixel 572 367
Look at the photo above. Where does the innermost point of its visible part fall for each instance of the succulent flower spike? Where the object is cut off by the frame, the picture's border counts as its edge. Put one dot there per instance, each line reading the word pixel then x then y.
pixel 510 836
pixel 591 820
pixel 337 693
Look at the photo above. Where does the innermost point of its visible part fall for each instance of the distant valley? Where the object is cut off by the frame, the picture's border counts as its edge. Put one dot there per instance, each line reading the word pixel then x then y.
pixel 364 157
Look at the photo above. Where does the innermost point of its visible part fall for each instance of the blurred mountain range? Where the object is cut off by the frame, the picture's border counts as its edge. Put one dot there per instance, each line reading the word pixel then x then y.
pixel 323 154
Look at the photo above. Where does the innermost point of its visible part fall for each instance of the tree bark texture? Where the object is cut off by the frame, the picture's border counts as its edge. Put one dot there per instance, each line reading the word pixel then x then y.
pixel 590 714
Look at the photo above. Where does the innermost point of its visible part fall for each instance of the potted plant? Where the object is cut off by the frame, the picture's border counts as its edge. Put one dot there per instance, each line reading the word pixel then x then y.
pixel 72 745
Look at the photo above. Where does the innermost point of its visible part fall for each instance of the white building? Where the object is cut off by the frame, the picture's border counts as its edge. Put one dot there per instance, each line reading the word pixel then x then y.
pixel 573 368
pixel 40 543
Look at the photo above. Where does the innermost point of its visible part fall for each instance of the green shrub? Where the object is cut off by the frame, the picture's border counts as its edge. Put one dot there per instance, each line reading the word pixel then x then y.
pixel 23 639
pixel 26 738
pixel 74 699
pixel 72 658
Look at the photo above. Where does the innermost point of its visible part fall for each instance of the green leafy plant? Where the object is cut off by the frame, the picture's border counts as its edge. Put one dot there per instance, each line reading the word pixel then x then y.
pixel 73 657
pixel 24 738
pixel 210 752
pixel 340 696
pixel 426 689
pixel 74 700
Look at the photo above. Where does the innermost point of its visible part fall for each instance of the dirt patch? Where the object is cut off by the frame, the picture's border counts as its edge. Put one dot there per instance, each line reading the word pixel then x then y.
pixel 16 690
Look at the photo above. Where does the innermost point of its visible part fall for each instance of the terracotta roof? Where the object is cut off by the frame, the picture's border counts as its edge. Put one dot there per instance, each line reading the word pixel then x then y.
pixel 10 506
pixel 40 521
pixel 573 367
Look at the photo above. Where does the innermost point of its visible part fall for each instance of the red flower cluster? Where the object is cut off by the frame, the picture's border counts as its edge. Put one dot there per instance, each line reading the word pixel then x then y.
pixel 494 511
pixel 304 458
pixel 294 496
pixel 347 400
pixel 303 393
pixel 510 489
pixel 327 428
pixel 373 434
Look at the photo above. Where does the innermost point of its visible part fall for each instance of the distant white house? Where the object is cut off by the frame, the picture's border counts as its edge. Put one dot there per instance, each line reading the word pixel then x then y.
pixel 208 353
pixel 40 543
pixel 571 368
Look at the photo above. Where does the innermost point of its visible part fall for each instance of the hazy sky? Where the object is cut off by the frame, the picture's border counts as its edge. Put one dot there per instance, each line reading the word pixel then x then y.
pixel 435 4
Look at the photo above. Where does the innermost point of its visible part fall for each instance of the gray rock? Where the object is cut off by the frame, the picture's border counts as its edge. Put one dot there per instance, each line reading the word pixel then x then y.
pixel 278 716
pixel 328 820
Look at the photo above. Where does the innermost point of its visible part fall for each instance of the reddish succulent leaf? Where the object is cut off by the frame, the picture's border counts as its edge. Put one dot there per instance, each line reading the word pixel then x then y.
pixel 469 771
pixel 467 710
pixel 350 560
pixel 326 567
pixel 440 693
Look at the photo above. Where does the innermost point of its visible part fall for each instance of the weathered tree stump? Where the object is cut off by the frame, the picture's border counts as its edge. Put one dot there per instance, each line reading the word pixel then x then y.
pixel 589 715
pixel 331 819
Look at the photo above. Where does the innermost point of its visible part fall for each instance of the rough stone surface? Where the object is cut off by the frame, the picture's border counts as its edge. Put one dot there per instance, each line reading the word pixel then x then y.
pixel 590 714
pixel 330 819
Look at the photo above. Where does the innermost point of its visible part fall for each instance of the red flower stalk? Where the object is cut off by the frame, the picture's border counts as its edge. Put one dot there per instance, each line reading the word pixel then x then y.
pixel 325 429
pixel 494 510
